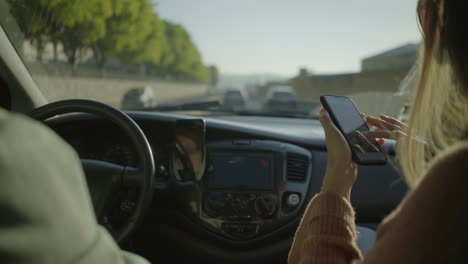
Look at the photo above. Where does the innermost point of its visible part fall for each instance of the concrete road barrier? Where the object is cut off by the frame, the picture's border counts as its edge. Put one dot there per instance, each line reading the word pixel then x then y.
pixel 111 91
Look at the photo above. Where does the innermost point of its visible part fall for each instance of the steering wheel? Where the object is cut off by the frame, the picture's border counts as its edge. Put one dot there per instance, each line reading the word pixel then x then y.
pixel 104 178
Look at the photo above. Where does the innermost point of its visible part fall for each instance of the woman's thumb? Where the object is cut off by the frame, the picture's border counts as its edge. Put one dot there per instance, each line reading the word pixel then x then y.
pixel 325 120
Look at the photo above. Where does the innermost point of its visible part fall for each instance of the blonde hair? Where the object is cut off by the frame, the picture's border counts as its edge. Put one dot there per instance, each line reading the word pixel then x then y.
pixel 438 115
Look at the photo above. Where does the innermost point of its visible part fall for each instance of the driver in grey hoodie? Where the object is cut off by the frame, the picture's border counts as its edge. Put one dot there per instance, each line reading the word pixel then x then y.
pixel 46 214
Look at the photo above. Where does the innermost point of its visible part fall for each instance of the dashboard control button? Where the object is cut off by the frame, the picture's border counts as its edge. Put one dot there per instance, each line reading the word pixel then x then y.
pixel 127 206
pixel 293 200
pixel 236 206
pixel 210 168
pixel 240 205
pixel 163 174
pixel 249 228
pixel 213 203
pixel 265 205
pixel 216 204
pixel 210 212
pixel 239 229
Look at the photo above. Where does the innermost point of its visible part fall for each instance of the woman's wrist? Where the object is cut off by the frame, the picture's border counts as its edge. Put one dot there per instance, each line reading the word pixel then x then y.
pixel 342 169
pixel 337 190
pixel 340 181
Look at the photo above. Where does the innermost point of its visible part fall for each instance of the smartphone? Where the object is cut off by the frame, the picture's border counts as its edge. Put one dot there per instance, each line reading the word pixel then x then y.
pixel 345 115
pixel 189 152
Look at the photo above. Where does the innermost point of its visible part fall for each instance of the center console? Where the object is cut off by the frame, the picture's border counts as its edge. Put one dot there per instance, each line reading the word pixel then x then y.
pixel 251 187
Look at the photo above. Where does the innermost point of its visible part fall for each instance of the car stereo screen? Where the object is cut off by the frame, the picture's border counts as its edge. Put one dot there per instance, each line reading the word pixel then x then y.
pixel 242 170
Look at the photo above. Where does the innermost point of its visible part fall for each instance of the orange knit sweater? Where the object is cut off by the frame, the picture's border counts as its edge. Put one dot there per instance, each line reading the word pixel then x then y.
pixel 429 226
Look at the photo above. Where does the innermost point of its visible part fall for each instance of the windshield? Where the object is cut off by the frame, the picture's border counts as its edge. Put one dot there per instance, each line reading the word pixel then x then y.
pixel 234 94
pixel 143 54
pixel 283 96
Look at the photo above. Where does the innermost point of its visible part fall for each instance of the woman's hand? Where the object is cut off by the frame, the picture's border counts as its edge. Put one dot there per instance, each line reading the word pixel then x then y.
pixel 387 127
pixel 390 128
pixel 341 170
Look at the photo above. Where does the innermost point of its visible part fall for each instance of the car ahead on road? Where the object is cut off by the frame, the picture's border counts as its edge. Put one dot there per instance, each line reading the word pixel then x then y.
pixel 281 98
pixel 138 98
pixel 233 98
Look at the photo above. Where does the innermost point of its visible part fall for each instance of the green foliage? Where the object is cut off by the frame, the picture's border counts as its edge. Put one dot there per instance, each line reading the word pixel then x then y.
pixel 129 30
pixel 82 23
pixel 143 46
pixel 185 60
pixel 122 29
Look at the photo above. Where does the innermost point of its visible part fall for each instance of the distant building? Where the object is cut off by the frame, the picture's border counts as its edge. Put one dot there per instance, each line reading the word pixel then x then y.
pixel 401 58
pixel 383 72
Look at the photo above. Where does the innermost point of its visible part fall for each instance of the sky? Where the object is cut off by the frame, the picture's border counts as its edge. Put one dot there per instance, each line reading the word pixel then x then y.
pixel 281 36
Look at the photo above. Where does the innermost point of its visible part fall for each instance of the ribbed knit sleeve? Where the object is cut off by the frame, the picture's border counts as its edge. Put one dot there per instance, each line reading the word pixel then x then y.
pixel 429 225
pixel 326 233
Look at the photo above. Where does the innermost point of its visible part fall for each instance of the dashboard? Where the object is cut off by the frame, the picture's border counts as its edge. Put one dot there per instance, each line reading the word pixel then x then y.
pixel 260 174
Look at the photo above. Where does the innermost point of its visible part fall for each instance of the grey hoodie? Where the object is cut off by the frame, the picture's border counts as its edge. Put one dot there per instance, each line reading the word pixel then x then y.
pixel 46 214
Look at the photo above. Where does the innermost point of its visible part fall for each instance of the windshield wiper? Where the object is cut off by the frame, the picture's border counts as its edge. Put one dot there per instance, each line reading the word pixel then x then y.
pixel 286 114
pixel 202 105
pixel 215 106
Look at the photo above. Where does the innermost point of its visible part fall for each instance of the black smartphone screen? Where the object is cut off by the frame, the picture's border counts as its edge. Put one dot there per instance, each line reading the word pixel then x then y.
pixel 345 115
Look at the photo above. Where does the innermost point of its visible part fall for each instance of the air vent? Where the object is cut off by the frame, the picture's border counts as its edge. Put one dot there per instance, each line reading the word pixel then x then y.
pixel 296 167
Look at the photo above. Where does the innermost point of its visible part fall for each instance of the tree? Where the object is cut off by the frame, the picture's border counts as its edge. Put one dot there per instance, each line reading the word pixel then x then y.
pixel 34 18
pixel 167 56
pixel 140 30
pixel 75 23
pixel 186 60
pixel 121 30
pixel 129 30
pixel 82 24
pixel 152 48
